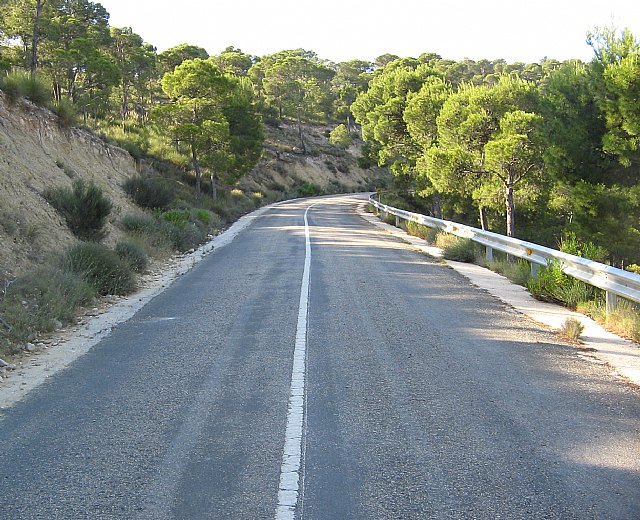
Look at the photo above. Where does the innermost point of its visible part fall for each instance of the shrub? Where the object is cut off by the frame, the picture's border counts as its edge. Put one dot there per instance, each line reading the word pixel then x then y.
pixel 42 300
pixel 133 254
pixel 553 285
pixel 461 250
pixel 421 231
pixel 148 192
pixel 309 189
pixel 340 137
pixel 444 240
pixel 66 113
pixel 101 267
pixel 572 329
pixel 19 84
pixel 84 208
pixel 139 223
pixel 519 272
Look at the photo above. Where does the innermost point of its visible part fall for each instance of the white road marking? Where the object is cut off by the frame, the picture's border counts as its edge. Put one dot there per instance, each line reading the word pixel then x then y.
pixel 290 471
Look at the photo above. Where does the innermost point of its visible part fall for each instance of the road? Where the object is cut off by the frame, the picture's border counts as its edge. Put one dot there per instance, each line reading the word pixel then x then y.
pixel 413 395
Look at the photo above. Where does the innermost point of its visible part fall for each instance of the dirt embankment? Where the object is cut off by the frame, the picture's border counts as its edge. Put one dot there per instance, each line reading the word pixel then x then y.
pixel 36 154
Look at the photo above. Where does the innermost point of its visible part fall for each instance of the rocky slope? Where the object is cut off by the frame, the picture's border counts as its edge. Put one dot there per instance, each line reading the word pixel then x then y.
pixel 36 154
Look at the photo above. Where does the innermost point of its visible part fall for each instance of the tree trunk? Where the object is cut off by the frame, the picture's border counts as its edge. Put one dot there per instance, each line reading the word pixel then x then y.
pixel 214 187
pixel 484 224
pixel 300 134
pixel 511 210
pixel 196 167
pixel 437 205
pixel 34 41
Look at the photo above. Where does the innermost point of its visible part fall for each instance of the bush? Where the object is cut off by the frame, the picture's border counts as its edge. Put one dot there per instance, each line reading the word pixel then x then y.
pixel 148 192
pixel 421 231
pixel 66 113
pixel 133 254
pixel 340 137
pixel 553 285
pixel 572 329
pixel 41 301
pixel 309 189
pixel 19 84
pixel 101 267
pixel 461 250
pixel 139 223
pixel 519 272
pixel 84 208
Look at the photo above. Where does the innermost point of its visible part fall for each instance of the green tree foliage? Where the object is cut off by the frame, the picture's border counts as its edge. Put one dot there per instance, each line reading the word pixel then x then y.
pixel 488 141
pixel 212 115
pixel 136 63
pixel 299 86
pixel 233 61
pixel 174 56
pixel 380 112
pixel 617 74
pixel 340 137
pixel 351 78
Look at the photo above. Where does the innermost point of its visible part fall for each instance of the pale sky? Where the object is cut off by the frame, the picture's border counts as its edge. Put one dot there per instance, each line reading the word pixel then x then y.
pixel 340 30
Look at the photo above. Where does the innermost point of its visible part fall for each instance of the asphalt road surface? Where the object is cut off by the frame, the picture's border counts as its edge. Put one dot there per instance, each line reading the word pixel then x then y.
pixel 412 395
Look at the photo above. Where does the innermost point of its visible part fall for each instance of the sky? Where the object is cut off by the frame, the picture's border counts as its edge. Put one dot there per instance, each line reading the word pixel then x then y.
pixel 341 30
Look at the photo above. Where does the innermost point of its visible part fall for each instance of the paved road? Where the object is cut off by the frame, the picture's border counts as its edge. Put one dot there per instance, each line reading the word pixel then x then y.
pixel 423 397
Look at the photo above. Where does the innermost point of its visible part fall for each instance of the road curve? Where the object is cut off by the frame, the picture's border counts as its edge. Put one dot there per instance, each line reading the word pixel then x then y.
pixel 421 397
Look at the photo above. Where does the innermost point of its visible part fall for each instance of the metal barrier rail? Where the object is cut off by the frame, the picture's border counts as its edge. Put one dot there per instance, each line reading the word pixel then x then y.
pixel 616 282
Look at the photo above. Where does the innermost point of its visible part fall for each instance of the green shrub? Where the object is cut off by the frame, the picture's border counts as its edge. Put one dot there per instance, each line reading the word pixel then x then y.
pixel 139 223
pixel 444 240
pixel 19 84
pixel 42 300
pixel 461 250
pixel 66 112
pixel 421 231
pixel 553 285
pixel 572 329
pixel 177 217
pixel 309 189
pixel 519 272
pixel 84 208
pixel 132 253
pixel 101 267
pixel 149 192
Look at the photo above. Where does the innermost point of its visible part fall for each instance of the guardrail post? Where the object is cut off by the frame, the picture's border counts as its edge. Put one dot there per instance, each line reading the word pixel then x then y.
pixel 534 269
pixel 489 253
pixel 397 221
pixel 612 302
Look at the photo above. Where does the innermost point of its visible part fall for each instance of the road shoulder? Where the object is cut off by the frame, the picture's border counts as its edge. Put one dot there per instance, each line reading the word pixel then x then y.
pixel 598 344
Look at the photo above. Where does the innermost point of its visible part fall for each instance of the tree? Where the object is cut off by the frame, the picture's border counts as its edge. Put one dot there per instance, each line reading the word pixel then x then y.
pixel 174 56
pixel 340 137
pixel 488 140
pixel 380 112
pixel 299 86
pixel 135 61
pixel 233 61
pixel 351 78
pixel 617 68
pixel 212 115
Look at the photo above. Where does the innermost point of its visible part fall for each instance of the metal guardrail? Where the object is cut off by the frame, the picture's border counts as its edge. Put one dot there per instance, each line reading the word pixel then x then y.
pixel 616 282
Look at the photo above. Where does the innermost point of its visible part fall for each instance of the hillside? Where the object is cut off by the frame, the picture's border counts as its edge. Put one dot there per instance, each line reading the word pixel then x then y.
pixel 36 154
